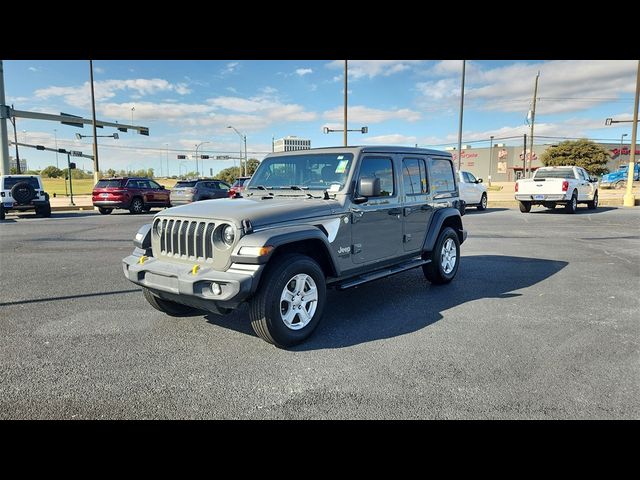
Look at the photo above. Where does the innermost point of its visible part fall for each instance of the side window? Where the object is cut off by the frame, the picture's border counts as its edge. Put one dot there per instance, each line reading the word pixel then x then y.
pixel 223 186
pixel 414 176
pixel 143 184
pixel 153 184
pixel 470 177
pixel 442 179
pixel 381 168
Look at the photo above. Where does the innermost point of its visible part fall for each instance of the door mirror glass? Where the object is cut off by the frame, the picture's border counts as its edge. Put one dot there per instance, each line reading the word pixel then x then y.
pixel 479 180
pixel 369 187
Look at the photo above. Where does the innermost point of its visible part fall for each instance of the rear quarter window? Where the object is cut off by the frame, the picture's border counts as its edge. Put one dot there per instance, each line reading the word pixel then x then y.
pixel 442 178
pixel 9 182
pixel 108 183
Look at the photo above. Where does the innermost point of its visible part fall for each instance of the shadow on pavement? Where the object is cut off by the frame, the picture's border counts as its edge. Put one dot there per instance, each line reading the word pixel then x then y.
pixel 386 308
pixel 68 297
pixel 475 211
pixel 559 210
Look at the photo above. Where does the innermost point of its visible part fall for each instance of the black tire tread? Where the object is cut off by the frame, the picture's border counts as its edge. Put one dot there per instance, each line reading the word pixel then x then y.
pixel 432 269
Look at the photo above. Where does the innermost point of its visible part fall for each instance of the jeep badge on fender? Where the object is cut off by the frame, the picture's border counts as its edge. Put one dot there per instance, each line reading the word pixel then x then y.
pixel 309 220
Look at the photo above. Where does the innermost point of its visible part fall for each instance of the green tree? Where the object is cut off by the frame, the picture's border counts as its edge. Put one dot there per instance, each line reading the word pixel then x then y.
pixel 230 174
pixel 52 172
pixel 111 172
pixel 582 153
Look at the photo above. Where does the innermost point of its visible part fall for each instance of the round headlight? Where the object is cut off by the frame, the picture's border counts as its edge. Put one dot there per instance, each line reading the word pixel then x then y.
pixel 158 228
pixel 228 235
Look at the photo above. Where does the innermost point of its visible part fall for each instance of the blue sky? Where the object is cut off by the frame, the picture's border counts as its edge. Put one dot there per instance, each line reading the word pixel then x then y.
pixel 403 102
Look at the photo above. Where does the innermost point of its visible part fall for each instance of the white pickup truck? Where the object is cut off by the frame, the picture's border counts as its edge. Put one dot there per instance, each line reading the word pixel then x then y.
pixel 551 186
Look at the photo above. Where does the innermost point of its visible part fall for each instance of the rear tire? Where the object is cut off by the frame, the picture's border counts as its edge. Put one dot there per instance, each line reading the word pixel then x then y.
pixel 445 258
pixel 593 204
pixel 2 212
pixel 279 312
pixel 172 309
pixel 44 211
pixel 105 211
pixel 572 205
pixel 525 207
pixel 620 184
pixel 483 202
pixel 137 205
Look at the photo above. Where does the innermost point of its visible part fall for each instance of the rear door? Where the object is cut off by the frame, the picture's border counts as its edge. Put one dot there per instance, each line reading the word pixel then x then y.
pixel 416 211
pixel 222 189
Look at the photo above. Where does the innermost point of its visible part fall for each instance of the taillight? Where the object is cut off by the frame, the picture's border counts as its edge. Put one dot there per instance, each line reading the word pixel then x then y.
pixel 516 186
pixel 565 185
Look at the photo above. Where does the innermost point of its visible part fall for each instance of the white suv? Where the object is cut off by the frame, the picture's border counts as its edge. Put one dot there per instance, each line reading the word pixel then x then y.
pixel 23 192
pixel 472 190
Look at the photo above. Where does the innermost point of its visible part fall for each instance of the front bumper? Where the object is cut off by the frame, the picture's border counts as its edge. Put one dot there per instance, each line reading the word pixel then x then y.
pixel 542 198
pixel 180 285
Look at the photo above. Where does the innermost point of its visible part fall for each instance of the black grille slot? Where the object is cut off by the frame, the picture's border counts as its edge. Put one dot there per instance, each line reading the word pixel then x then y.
pixel 208 242
pixel 199 238
pixel 168 234
pixel 183 238
pixel 175 234
pixel 163 243
pixel 191 237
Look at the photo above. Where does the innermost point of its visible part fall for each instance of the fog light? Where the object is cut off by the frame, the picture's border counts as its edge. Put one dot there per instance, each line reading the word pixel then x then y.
pixel 216 288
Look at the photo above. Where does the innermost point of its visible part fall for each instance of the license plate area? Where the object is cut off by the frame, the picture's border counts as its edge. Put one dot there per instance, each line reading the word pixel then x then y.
pixel 538 197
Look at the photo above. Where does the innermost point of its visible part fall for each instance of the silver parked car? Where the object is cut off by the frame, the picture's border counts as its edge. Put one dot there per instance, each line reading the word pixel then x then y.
pixel 188 191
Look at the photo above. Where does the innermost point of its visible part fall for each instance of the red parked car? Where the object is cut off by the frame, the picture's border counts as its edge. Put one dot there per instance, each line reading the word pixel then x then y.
pixel 238 186
pixel 136 194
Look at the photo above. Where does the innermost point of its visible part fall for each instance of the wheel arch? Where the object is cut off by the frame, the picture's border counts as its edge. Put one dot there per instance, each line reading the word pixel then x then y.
pixel 442 218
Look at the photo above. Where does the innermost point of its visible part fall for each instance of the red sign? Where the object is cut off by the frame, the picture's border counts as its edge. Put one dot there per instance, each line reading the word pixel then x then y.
pixel 625 151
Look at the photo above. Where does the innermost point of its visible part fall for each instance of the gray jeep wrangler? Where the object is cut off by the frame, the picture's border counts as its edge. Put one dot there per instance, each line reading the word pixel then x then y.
pixel 309 220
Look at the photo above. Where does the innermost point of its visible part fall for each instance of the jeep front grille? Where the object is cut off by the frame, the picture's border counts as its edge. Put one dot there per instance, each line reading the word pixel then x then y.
pixel 186 239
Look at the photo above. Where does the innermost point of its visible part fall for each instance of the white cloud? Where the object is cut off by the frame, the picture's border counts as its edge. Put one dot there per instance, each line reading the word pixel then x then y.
pixel 372 68
pixel 232 90
pixel 440 89
pixel 99 70
pixel 304 71
pixel 34 69
pixel 366 115
pixel 80 96
pixel 230 68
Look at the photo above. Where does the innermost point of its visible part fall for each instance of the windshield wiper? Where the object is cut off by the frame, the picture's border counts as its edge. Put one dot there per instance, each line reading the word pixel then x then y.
pixel 259 187
pixel 294 187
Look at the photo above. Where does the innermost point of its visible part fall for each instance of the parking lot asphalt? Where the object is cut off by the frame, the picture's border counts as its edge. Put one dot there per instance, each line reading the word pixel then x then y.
pixel 541 322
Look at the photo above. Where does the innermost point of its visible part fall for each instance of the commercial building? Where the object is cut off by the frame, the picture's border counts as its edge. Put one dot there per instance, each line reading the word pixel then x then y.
pixel 505 163
pixel 291 143
pixel 14 164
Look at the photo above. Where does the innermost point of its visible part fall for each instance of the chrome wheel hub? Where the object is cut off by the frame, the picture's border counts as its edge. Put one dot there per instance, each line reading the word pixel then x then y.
pixel 448 256
pixel 298 301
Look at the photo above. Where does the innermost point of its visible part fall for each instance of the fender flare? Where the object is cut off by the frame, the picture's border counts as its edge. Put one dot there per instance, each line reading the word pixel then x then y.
pixel 439 217
pixel 278 237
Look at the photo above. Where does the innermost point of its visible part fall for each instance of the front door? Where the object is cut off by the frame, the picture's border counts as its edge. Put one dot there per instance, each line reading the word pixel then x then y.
pixel 156 194
pixel 416 211
pixel 376 229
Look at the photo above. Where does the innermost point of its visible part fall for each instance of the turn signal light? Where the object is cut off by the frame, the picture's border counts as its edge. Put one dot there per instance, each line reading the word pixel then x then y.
pixel 565 185
pixel 516 186
pixel 256 251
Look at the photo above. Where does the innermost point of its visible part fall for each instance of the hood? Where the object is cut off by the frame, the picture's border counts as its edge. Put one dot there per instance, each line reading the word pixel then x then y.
pixel 260 212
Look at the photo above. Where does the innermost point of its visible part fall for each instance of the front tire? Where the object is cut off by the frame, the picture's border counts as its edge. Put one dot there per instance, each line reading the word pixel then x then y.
pixel 525 207
pixel 290 301
pixel 105 211
pixel 572 205
pixel 445 258
pixel 137 205
pixel 172 309
pixel 483 202
pixel 593 204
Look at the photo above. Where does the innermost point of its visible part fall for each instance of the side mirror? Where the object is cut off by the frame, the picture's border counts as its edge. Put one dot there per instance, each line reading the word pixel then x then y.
pixel 162 187
pixel 479 180
pixel 594 180
pixel 369 187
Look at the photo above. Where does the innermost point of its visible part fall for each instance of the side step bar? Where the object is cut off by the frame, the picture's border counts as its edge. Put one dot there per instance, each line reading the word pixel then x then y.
pixel 385 272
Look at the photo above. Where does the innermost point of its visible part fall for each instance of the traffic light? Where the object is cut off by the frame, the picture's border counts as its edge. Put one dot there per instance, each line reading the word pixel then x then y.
pixel 144 131
pixel 182 157
pixel 72 165
pixel 39 147
pixel 204 157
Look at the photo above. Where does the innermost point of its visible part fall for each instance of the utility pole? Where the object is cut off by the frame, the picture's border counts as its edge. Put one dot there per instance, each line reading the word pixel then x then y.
pixel 70 182
pixel 55 134
pixel 629 197
pixel 246 156
pixel 4 139
pixel 345 102
pixel 524 156
pixel 533 121
pixel 95 134
pixel 490 159
pixel 464 63
pixel 15 140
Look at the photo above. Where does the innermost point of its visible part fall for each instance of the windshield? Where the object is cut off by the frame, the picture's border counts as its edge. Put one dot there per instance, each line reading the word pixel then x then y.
pixel 321 171
pixel 555 173
pixel 240 182
pixel 187 184
pixel 9 182
pixel 108 183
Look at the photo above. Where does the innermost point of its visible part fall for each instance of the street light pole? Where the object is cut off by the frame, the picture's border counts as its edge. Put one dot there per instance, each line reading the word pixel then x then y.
pixel 345 102
pixel 15 137
pixel 621 144
pixel 629 198
pixel 490 159
pixel 96 167
pixel 246 156
pixel 464 63
pixel 242 138
pixel 55 134
pixel 167 145
pixel 198 146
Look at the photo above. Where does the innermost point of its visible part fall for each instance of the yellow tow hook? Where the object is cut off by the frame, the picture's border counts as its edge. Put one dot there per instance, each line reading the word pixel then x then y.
pixel 194 270
pixel 143 259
